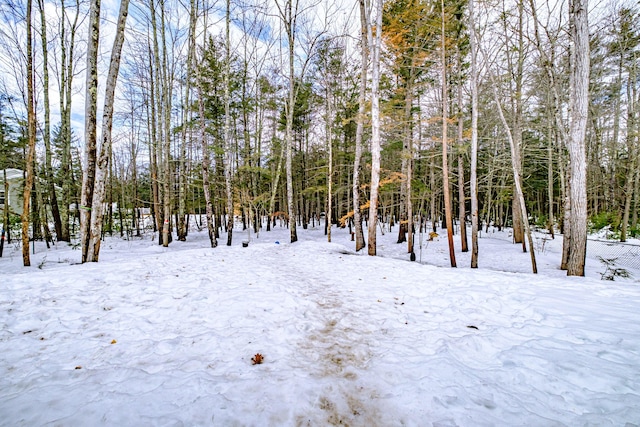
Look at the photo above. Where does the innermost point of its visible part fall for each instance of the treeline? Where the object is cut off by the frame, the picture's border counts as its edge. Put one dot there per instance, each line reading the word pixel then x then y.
pixel 254 110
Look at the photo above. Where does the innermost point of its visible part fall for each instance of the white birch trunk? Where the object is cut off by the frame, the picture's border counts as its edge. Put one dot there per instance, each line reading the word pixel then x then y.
pixel 227 127
pixel 102 165
pixel 517 180
pixel 375 131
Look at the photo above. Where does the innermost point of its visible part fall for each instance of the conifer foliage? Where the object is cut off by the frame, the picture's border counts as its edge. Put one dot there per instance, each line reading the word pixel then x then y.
pixel 253 114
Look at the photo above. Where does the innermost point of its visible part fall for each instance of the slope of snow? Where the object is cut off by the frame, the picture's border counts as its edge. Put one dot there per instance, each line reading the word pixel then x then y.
pixel 165 336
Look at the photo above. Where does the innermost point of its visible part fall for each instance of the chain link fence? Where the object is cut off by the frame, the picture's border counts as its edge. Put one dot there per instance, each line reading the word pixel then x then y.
pixel 609 252
pixel 616 253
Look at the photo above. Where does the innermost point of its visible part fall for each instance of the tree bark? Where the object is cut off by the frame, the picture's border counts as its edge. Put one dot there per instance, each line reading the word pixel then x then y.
pixel 31 148
pixel 205 173
pixel 474 139
pixel 103 161
pixel 445 142
pixel 6 236
pixel 357 215
pixel 90 136
pixel 375 129
pixel 632 152
pixel 517 181
pixel 462 209
pixel 288 15
pixel 206 159
pixel 46 135
pixel 227 126
pixel 579 100
pixel 66 85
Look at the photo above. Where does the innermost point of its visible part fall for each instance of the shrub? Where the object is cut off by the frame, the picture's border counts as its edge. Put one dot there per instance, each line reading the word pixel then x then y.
pixel 602 220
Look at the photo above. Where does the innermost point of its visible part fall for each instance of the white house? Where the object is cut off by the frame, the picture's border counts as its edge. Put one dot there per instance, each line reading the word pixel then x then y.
pixel 15 194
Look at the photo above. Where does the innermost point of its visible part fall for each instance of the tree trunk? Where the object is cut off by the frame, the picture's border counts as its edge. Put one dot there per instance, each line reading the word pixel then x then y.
pixel 90 137
pixel 274 189
pixel 357 219
pixel 153 106
pixel 375 128
pixel 579 100
pixel 409 202
pixel 556 115
pixel 31 135
pixel 188 116
pixel 69 192
pixel 474 139
pixel 517 180
pixel 550 219
pixel 46 135
pixel 181 229
pixel 432 185
pixel 6 235
pixel 462 209
pixel 519 216
pixel 205 171
pixel 445 142
pixel 329 112
pixel 103 161
pixel 289 157
pixel 167 89
pixel 288 15
pixel 632 150
pixel 227 127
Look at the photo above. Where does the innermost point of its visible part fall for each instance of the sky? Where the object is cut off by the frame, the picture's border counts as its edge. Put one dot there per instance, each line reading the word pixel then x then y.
pixel 13 46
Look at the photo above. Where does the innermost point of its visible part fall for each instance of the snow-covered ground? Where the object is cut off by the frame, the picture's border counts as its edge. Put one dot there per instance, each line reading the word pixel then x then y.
pixel 165 336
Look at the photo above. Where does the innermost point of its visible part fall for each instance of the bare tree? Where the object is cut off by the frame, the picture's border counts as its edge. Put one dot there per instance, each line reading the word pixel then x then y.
pixel 90 137
pixel 289 15
pixel 227 125
pixel 515 166
pixel 445 140
pixel 290 12
pixel 517 180
pixel 364 60
pixel 66 75
pixel 103 161
pixel 579 101
pixel 474 138
pixel 31 132
pixel 375 127
pixel 329 135
pixel 46 132
pixel 462 210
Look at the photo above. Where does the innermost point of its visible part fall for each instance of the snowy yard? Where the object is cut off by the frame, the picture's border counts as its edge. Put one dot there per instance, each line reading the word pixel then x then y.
pixel 165 336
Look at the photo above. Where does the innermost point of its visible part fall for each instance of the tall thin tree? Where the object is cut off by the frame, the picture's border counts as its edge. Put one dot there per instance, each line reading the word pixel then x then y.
pixel 46 132
pixel 31 147
pixel 103 161
pixel 90 128
pixel 445 139
pixel 474 137
pixel 362 94
pixel 227 124
pixel 579 102
pixel 375 129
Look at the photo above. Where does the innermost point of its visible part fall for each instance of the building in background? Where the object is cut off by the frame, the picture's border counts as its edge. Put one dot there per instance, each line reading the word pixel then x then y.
pixel 13 195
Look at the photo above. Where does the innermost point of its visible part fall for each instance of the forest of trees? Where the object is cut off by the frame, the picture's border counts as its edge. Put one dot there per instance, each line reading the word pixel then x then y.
pixel 414 113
